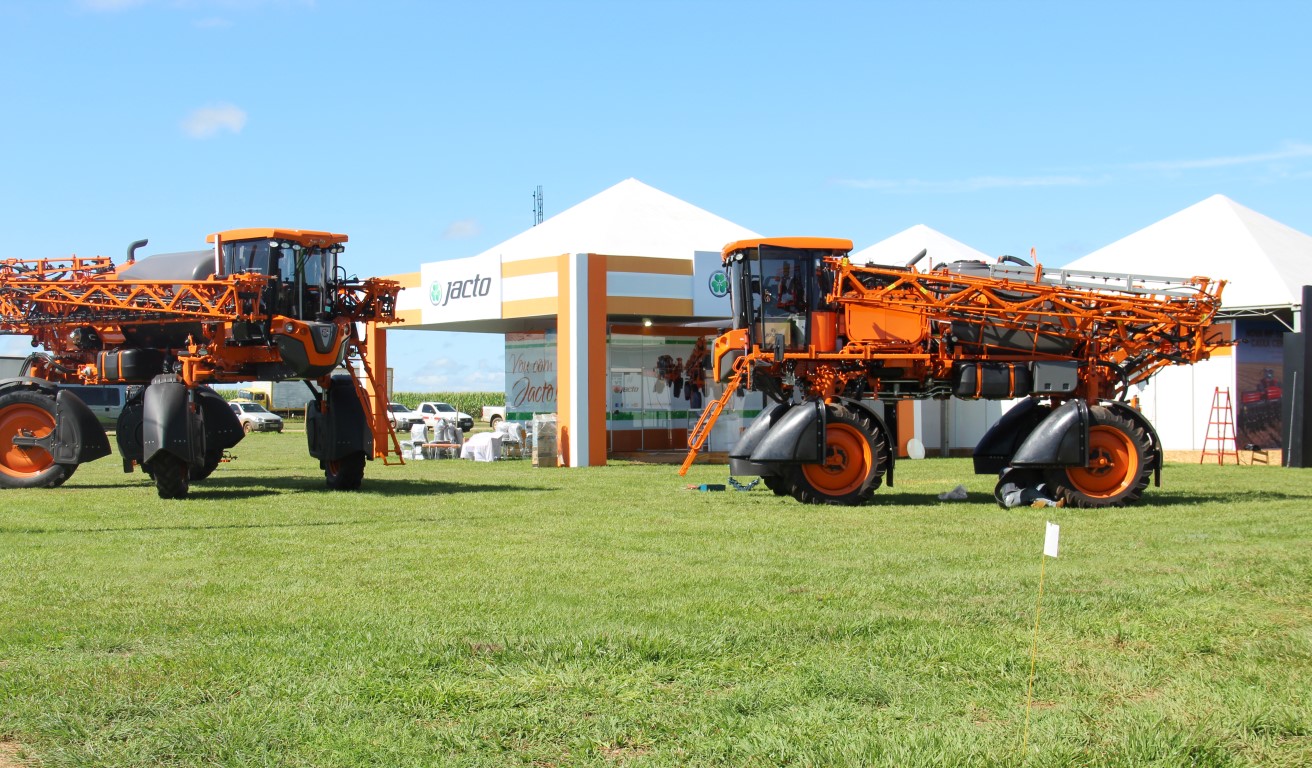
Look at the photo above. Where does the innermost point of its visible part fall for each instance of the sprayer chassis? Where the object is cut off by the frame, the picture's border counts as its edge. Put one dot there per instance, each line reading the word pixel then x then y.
pixel 826 340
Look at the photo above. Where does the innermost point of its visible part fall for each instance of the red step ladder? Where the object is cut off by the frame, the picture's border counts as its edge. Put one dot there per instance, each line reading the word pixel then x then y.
pixel 1220 429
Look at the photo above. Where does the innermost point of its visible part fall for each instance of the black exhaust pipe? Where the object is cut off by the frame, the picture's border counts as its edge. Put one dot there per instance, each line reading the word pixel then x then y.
pixel 132 249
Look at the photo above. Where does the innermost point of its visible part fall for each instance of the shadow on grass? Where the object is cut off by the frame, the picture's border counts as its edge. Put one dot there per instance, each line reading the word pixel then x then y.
pixel 232 488
pixel 1176 498
pixel 255 486
pixel 236 487
pixel 233 526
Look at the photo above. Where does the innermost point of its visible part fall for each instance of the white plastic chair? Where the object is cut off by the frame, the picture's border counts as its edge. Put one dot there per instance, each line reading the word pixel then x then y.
pixel 418 436
pixel 512 439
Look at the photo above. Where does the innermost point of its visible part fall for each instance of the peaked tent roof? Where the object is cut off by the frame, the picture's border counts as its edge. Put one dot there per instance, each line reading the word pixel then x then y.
pixel 902 247
pixel 628 219
pixel 1265 262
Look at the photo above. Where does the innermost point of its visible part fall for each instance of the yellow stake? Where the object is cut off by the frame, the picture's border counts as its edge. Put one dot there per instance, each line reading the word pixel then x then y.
pixel 1034 655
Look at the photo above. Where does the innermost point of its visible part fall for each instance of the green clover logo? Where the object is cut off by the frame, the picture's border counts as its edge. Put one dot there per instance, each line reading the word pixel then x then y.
pixel 719 284
pixel 435 293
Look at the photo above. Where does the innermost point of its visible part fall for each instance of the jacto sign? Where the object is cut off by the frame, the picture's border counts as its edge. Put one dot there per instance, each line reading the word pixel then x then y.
pixel 461 289
pixel 471 288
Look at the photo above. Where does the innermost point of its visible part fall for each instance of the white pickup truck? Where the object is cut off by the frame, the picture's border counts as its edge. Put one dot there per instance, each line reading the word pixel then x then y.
pixel 494 414
pixel 434 412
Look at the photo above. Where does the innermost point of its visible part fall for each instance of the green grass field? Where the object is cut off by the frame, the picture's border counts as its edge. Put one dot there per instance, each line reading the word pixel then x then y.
pixel 468 614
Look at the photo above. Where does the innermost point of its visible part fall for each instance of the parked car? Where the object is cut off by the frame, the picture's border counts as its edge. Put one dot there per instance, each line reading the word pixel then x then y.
pixel 255 417
pixel 494 415
pixel 434 412
pixel 106 401
pixel 402 417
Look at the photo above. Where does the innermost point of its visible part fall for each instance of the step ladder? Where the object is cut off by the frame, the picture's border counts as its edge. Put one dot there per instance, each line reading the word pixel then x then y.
pixel 368 388
pixel 697 437
pixel 1220 429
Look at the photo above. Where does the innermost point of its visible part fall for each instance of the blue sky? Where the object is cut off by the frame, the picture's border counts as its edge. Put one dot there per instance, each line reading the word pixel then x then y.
pixel 421 128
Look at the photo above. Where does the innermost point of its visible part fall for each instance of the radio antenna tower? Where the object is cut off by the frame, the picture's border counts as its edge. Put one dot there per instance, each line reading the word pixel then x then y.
pixel 537 205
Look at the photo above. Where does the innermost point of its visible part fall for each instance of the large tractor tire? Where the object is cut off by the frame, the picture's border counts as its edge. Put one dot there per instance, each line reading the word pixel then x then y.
pixel 171 475
pixel 1120 465
pixel 855 457
pixel 778 484
pixel 212 460
pixel 346 473
pixel 24 413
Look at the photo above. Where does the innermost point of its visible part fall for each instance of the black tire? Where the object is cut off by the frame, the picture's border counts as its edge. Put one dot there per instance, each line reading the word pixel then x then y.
pixel 246 428
pixel 494 421
pixel 28 413
pixel 212 459
pixel 778 484
pixel 171 476
pixel 346 473
pixel 1120 464
pixel 856 455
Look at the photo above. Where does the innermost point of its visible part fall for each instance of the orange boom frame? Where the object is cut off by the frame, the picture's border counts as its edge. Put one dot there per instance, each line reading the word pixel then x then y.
pixel 824 338
pixel 259 304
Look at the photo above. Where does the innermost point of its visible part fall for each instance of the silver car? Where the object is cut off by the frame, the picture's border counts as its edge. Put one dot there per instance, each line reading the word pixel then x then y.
pixel 403 418
pixel 255 418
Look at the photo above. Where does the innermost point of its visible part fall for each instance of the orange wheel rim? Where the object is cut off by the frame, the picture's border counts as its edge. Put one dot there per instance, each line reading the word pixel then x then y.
pixel 1113 464
pixel 846 463
pixel 24 421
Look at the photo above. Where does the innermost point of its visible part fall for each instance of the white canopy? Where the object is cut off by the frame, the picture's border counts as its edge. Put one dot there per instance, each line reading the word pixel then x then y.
pixel 1265 262
pixel 628 219
pixel 902 247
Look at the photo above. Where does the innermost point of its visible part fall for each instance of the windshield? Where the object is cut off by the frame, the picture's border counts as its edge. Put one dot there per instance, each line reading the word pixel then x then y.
pixel 398 408
pixel 253 408
pixel 444 408
pixel 303 274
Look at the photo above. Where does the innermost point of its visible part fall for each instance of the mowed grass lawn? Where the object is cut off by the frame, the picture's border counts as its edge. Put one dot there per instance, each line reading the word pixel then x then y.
pixel 468 614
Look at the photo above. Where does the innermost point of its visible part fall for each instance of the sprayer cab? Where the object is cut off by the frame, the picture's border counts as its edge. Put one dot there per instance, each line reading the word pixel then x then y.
pixel 302 263
pixel 777 285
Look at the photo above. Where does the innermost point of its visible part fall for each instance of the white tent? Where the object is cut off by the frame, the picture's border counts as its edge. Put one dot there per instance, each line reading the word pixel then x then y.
pixel 1265 262
pixel 628 219
pixel 902 247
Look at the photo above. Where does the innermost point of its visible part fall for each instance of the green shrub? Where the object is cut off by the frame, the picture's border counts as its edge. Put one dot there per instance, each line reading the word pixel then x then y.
pixel 469 402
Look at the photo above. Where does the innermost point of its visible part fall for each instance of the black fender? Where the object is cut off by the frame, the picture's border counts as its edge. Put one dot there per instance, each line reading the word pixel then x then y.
pixel 1128 411
pixel 78 436
pixel 796 436
pixel 753 435
pixel 128 432
pixel 740 454
pixel 169 425
pixel 222 427
pixel 1060 440
pixel 336 425
pixel 999 444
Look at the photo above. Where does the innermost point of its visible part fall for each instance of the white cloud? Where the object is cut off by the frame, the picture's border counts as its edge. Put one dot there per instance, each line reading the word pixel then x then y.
pixel 973 184
pixel 1280 161
pixel 115 6
pixel 447 374
pixel 207 122
pixel 1290 151
pixel 109 6
pixel 460 230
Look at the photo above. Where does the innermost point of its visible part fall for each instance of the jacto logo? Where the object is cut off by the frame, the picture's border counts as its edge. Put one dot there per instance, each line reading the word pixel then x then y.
pixel 474 287
pixel 719 284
